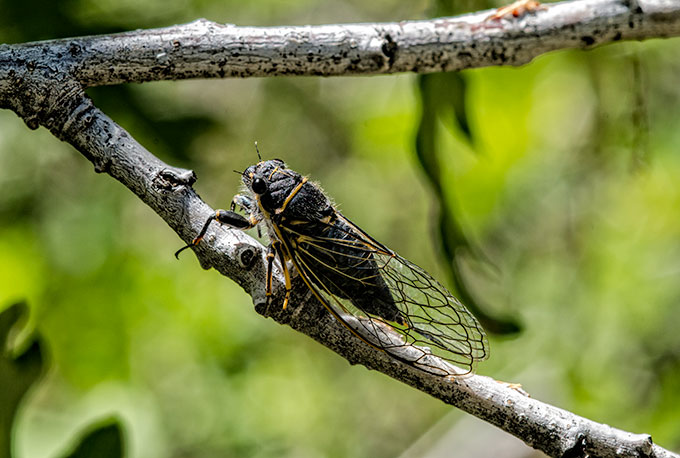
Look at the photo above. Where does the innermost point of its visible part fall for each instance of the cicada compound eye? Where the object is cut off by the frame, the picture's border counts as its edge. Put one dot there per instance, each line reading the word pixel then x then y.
pixel 259 186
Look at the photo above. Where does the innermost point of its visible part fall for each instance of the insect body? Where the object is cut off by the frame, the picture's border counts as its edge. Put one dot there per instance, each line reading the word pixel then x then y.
pixel 353 274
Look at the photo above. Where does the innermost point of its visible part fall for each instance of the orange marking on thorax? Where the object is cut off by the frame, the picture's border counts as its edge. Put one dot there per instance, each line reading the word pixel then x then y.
pixel 291 195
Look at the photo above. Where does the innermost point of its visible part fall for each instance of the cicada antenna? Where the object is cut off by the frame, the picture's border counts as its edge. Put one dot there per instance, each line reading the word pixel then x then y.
pixel 258 152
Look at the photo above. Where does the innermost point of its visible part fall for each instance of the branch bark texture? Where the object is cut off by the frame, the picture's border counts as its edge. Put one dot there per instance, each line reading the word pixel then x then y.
pixel 45 82
pixel 204 49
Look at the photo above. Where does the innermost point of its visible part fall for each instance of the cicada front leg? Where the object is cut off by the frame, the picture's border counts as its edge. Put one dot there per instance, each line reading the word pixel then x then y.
pixel 247 203
pixel 227 217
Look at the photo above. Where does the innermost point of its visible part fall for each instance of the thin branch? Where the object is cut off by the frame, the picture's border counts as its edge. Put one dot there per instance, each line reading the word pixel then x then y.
pixel 203 49
pixel 44 83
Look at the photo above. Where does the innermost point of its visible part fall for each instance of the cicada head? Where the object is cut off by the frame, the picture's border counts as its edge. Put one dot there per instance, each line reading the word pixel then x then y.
pixel 271 182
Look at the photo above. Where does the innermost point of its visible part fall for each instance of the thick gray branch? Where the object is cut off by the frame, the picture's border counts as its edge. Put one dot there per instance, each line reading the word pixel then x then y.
pixel 44 83
pixel 204 49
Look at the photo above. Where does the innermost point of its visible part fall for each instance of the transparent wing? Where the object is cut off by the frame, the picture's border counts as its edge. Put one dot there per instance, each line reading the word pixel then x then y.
pixel 374 291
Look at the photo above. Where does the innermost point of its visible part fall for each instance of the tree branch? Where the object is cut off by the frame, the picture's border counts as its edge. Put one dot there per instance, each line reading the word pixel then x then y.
pixel 203 49
pixel 44 83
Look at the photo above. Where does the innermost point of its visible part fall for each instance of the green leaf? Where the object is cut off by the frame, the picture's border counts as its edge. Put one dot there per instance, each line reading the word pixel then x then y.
pixel 105 440
pixel 437 99
pixel 18 370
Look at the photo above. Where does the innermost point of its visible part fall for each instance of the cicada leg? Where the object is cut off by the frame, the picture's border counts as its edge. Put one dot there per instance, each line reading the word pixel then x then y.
pixel 271 255
pixel 276 247
pixel 247 203
pixel 229 218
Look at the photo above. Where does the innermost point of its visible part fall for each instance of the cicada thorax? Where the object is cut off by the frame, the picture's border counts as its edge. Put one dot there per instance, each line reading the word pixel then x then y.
pixel 301 217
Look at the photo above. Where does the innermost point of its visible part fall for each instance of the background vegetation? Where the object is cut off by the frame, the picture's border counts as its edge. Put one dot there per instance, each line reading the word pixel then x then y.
pixel 561 178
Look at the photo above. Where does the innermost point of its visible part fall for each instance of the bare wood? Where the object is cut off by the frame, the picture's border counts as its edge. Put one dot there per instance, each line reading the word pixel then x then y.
pixel 203 49
pixel 44 84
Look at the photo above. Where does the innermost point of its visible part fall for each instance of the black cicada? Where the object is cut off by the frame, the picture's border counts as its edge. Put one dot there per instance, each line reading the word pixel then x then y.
pixel 352 274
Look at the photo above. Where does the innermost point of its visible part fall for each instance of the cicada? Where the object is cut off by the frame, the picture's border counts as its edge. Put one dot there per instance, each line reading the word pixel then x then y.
pixel 367 287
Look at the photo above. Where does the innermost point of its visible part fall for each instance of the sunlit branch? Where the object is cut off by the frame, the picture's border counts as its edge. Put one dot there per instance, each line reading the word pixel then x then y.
pixel 204 49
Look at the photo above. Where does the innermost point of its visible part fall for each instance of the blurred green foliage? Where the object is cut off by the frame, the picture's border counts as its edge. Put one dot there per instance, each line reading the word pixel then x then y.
pixel 565 175
pixel 104 441
pixel 21 364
